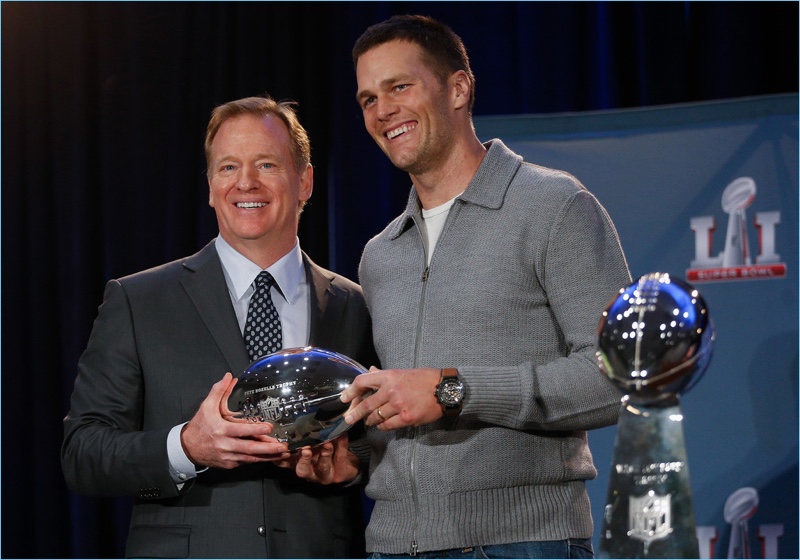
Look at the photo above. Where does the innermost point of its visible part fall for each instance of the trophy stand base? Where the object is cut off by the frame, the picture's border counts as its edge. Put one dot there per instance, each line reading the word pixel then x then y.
pixel 649 512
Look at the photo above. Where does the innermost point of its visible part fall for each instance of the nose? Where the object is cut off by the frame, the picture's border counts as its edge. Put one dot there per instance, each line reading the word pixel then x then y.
pixel 386 108
pixel 248 179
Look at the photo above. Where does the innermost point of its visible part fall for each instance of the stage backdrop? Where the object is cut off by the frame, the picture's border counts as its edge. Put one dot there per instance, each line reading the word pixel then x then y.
pixel 673 179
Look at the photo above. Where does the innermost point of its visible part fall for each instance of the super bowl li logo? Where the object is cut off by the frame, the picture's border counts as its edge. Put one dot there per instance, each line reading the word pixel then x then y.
pixel 735 262
pixel 739 508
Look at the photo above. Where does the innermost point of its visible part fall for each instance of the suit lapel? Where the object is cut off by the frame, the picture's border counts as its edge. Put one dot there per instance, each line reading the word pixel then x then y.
pixel 207 289
pixel 209 292
pixel 326 306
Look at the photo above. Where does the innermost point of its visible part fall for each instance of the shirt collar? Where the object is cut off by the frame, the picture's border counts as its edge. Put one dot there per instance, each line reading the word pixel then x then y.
pixel 240 272
pixel 487 188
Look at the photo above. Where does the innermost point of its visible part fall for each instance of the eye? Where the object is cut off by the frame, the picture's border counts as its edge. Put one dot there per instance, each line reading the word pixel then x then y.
pixel 265 165
pixel 401 87
pixel 368 101
pixel 226 168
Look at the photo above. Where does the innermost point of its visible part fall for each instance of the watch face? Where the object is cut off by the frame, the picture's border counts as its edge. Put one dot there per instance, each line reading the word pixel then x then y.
pixel 451 392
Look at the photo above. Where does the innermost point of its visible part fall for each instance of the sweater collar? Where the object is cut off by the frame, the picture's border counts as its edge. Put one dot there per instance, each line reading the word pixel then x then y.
pixel 487 188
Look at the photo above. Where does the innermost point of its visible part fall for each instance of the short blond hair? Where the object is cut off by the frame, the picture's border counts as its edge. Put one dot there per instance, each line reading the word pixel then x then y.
pixel 300 145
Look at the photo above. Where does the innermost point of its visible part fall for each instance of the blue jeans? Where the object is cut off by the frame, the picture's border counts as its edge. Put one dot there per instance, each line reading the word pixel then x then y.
pixel 570 548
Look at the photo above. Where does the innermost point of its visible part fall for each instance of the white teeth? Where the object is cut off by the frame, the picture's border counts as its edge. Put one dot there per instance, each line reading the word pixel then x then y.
pixel 398 131
pixel 250 204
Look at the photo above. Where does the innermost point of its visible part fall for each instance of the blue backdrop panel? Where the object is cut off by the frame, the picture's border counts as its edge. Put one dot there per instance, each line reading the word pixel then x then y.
pixel 661 174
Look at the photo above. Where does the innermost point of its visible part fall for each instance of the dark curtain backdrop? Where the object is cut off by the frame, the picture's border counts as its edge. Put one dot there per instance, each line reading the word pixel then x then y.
pixel 104 109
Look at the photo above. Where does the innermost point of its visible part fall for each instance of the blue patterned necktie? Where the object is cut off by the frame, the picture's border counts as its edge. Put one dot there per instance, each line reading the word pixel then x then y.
pixel 262 330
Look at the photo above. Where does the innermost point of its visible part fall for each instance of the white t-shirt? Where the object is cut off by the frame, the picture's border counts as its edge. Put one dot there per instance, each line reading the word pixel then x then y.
pixel 432 223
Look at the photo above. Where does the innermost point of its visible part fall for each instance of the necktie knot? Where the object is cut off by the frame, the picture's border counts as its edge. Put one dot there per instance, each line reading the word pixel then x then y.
pixel 264 280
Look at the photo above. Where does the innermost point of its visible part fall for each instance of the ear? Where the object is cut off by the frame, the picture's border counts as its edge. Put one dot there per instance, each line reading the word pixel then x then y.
pixel 306 183
pixel 461 87
pixel 210 193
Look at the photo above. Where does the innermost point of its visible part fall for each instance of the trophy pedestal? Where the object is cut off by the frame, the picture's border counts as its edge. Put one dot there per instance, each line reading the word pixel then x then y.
pixel 649 512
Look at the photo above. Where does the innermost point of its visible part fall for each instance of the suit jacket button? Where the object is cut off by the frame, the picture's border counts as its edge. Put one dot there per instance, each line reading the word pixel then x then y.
pixel 262 530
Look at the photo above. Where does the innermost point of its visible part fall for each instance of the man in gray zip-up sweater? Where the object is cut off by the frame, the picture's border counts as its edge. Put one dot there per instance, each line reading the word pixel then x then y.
pixel 485 296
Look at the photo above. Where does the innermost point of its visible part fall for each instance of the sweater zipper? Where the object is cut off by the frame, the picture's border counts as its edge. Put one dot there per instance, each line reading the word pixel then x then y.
pixel 413 459
pixel 414 496
pixel 426 272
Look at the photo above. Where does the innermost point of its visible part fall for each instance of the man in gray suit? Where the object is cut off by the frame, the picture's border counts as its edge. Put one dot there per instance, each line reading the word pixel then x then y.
pixel 147 414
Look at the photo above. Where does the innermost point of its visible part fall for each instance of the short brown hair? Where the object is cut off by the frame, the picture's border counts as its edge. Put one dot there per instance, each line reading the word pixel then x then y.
pixel 444 51
pixel 262 106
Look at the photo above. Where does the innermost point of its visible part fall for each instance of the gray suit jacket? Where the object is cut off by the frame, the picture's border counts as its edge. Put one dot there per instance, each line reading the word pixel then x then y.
pixel 161 339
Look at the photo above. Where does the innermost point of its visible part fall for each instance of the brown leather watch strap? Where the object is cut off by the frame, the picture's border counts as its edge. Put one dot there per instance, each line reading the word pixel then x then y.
pixel 448 372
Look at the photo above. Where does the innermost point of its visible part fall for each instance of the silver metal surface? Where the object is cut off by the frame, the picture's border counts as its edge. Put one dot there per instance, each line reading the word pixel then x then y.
pixel 655 338
pixel 654 342
pixel 297 390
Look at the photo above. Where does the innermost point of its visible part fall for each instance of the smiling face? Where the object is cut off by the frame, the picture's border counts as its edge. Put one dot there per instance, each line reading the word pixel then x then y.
pixel 407 108
pixel 255 187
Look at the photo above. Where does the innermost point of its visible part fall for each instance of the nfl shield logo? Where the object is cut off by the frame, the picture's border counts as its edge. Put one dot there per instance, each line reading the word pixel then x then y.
pixel 270 408
pixel 650 517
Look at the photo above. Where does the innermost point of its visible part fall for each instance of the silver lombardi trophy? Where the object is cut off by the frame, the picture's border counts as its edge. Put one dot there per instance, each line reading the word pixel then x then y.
pixel 654 343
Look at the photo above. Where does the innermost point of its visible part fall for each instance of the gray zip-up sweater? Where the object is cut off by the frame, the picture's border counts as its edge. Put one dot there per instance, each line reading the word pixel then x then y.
pixel 526 263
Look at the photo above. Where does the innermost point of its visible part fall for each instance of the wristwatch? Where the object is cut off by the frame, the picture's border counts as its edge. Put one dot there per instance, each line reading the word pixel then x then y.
pixel 450 392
